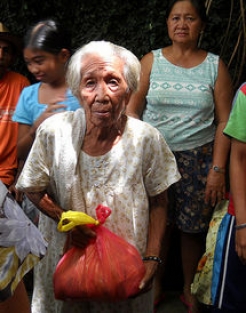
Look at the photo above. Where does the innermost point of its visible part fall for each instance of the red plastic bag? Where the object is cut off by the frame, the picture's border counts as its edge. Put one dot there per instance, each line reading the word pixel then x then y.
pixel 108 269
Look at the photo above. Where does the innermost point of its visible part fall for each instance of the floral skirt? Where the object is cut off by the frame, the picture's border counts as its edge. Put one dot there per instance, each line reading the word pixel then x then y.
pixel 188 209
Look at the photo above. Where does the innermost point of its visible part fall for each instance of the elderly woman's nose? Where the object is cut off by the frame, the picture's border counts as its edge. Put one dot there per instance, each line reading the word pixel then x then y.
pixel 101 90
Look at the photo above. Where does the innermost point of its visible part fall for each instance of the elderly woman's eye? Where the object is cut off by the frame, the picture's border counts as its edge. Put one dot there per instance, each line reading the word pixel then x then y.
pixel 113 83
pixel 90 83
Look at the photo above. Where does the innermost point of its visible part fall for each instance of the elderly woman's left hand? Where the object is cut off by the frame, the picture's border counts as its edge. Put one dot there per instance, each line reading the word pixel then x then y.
pixel 215 187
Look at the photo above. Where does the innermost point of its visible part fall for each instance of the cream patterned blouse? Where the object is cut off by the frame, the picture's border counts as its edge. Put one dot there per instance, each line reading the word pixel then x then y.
pixel 139 166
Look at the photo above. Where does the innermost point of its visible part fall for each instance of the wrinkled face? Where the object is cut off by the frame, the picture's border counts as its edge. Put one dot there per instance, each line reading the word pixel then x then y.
pixel 103 90
pixel 6 55
pixel 184 24
pixel 45 66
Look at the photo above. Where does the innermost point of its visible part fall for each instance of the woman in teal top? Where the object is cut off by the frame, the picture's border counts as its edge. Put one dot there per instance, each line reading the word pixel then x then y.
pixel 186 93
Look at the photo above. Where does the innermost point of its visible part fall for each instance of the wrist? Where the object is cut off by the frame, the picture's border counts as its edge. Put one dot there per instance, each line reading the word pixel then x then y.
pixel 240 226
pixel 153 258
pixel 218 169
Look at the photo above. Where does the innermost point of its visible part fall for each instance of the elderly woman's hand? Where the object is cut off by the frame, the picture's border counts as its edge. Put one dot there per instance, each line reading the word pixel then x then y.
pixel 80 236
pixel 17 194
pixel 146 283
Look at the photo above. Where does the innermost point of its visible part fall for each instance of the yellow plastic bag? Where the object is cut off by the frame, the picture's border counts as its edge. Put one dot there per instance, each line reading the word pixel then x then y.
pixel 70 219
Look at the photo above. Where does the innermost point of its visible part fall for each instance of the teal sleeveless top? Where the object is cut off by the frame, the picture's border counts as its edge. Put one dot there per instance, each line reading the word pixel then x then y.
pixel 180 101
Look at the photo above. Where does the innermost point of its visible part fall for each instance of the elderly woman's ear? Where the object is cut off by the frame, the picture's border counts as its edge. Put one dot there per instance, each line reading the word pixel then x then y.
pixel 128 95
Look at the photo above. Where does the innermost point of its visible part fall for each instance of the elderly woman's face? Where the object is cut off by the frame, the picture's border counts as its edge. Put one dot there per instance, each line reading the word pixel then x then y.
pixel 103 89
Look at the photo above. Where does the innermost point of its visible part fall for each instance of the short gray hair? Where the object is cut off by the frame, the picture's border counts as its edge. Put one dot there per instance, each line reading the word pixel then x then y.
pixel 132 67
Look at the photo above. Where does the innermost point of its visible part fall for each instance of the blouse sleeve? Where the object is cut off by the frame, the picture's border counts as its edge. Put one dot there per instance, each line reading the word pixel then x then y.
pixel 160 168
pixel 35 174
pixel 22 112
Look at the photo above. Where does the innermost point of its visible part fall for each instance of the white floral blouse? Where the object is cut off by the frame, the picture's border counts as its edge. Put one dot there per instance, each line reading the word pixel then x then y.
pixel 139 166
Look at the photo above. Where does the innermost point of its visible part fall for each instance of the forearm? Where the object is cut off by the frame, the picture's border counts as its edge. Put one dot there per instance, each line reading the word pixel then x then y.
pixel 221 146
pixel 79 236
pixel 216 181
pixel 238 180
pixel 238 187
pixel 157 224
pixel 24 144
pixel 46 205
pixel 223 95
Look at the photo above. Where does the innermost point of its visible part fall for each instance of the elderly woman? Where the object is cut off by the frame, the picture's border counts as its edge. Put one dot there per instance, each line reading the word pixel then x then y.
pixel 100 156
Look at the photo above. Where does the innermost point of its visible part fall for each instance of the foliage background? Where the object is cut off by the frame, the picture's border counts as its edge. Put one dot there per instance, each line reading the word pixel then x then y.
pixel 139 26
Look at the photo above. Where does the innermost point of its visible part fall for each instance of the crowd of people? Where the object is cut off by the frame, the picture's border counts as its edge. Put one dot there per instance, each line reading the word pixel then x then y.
pixel 151 139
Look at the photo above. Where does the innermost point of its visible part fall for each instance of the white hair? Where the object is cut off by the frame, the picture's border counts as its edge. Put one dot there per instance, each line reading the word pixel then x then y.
pixel 132 67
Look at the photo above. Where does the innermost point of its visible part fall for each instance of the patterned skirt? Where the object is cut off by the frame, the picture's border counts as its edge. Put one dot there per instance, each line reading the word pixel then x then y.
pixel 188 209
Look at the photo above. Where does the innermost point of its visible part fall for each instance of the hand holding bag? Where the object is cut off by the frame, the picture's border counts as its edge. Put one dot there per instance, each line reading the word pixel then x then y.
pixel 108 269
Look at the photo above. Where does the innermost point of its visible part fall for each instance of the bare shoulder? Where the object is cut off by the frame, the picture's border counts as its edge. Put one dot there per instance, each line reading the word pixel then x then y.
pixel 147 60
pixel 223 74
pixel 222 66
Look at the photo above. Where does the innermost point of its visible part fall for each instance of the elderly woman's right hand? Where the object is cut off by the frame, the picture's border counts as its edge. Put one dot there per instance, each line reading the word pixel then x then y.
pixel 146 283
pixel 80 236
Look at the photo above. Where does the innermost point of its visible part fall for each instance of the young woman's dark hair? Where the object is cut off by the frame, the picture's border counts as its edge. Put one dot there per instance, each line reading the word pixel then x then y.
pixel 49 36
pixel 199 5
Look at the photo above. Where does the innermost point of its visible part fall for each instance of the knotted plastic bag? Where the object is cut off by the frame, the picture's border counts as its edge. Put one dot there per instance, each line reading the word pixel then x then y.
pixel 108 269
